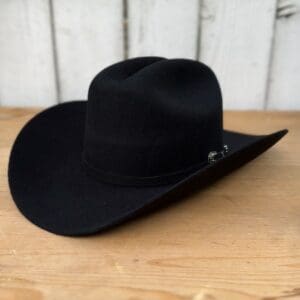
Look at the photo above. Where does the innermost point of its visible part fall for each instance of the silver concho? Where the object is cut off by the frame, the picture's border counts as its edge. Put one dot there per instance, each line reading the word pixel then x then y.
pixel 214 156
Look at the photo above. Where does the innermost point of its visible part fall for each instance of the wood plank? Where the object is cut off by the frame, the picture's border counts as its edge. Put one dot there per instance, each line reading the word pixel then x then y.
pixel 27 70
pixel 237 239
pixel 89 37
pixel 163 28
pixel 236 38
pixel 284 90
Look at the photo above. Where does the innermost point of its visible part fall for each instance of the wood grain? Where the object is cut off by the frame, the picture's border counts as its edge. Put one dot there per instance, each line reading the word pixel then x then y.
pixel 51 49
pixel 285 69
pixel 27 74
pixel 236 40
pixel 237 239
pixel 163 28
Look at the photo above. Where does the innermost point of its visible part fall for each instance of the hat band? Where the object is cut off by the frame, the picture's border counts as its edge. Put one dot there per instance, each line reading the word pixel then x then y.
pixel 138 180
pixel 163 179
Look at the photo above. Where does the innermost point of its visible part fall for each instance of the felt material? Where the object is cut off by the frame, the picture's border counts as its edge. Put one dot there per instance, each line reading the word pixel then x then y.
pixel 81 167
pixel 152 117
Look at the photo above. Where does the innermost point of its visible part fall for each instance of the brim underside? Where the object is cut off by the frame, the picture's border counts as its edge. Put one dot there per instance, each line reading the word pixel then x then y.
pixel 51 189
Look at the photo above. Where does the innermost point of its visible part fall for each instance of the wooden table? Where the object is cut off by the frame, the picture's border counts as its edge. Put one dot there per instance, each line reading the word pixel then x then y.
pixel 237 239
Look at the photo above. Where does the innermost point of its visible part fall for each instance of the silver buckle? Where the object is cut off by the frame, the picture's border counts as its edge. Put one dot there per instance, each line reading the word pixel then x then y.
pixel 214 156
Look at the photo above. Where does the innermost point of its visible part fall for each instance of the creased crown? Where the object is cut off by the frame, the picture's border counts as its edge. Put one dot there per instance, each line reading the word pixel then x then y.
pixel 152 116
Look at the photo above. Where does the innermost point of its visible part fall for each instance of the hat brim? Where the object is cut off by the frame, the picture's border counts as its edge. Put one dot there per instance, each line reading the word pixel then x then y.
pixel 51 189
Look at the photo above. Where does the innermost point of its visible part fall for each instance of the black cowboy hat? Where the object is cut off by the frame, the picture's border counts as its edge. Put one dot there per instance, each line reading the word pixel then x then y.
pixel 150 126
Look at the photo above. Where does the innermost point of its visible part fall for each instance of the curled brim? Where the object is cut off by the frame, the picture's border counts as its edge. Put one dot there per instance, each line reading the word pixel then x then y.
pixel 51 188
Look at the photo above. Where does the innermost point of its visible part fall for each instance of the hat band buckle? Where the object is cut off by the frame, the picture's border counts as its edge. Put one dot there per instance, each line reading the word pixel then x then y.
pixel 214 156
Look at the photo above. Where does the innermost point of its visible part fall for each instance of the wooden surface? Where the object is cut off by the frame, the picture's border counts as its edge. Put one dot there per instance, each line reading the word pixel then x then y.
pixel 51 49
pixel 237 239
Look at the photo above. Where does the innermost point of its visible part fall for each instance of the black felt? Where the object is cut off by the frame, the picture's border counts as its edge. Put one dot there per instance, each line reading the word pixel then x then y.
pixel 150 117
pixel 53 188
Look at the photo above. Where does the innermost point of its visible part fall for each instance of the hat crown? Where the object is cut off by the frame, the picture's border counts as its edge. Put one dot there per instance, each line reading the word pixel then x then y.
pixel 150 117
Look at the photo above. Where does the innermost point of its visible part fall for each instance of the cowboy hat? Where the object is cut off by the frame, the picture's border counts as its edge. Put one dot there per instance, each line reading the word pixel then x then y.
pixel 150 126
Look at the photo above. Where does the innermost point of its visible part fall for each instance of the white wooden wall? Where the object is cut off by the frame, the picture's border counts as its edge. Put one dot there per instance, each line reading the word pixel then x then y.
pixel 51 49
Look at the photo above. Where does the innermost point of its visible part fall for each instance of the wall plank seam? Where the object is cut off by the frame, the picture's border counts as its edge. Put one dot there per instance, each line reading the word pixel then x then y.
pixel 198 36
pixel 54 51
pixel 125 28
pixel 271 60
pixel 252 46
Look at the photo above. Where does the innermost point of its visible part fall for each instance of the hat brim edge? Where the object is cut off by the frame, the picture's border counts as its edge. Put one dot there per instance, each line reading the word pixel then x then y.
pixel 192 182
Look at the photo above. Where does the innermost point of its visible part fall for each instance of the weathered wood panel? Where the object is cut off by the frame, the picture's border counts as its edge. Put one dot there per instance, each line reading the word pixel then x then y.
pixel 27 76
pixel 236 39
pixel 254 56
pixel 284 90
pixel 89 37
pixel 163 28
